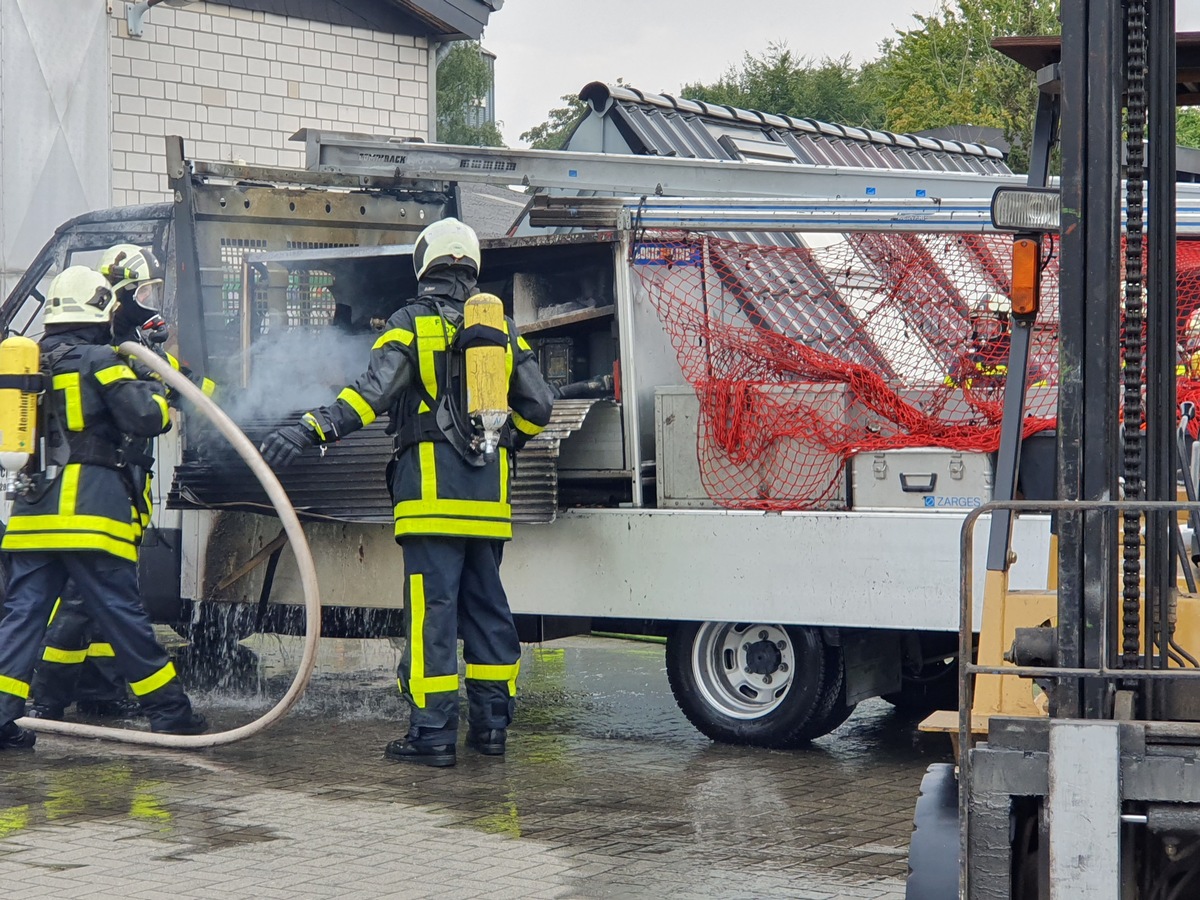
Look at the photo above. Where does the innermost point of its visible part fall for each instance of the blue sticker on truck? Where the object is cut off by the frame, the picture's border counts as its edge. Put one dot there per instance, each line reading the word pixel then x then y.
pixel 654 253
pixel 936 502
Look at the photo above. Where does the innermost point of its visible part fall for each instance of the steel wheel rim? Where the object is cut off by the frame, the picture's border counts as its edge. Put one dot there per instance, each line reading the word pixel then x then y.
pixel 720 653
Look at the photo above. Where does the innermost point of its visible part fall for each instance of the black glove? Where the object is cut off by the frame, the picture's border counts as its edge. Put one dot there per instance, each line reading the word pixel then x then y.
pixel 284 445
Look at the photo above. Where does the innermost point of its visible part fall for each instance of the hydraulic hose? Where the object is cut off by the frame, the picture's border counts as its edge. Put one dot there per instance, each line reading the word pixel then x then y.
pixel 308 579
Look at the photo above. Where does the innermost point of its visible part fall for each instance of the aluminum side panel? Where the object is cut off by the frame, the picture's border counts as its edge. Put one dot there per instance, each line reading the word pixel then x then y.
pixel 868 570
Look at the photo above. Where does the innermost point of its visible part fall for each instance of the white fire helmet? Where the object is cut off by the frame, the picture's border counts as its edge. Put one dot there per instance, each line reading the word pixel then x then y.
pixel 131 266
pixel 80 296
pixel 447 242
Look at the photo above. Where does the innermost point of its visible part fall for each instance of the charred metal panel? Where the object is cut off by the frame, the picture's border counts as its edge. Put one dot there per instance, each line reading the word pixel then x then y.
pixel 348 485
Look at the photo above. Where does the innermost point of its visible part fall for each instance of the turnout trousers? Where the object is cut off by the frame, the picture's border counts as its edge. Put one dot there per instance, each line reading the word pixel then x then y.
pixel 109 587
pixel 452 588
pixel 77 664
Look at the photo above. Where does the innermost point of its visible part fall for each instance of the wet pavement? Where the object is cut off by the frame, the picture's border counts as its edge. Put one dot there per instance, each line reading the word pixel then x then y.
pixel 606 791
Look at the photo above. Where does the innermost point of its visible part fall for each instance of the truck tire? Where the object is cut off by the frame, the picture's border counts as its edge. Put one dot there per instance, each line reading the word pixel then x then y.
pixel 775 686
pixel 933 853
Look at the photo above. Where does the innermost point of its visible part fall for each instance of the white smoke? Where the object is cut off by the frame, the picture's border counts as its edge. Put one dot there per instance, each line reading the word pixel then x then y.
pixel 298 370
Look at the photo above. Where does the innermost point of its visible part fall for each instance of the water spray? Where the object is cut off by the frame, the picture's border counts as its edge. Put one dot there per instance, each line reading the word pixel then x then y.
pixel 308 580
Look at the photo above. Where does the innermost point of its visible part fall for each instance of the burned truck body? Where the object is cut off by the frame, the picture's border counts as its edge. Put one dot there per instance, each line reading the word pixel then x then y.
pixel 778 619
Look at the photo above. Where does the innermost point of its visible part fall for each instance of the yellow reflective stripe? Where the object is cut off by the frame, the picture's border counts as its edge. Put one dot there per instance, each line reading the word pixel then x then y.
pixel 68 383
pixel 101 649
pixel 440 525
pixel 54 612
pixel 166 410
pixel 124 531
pixel 14 687
pixel 115 373
pixel 428 462
pixel 359 404
pixel 65 657
pixel 432 333
pixel 161 678
pixel 208 387
pixel 525 426
pixel 416 669
pixel 470 509
pixel 523 344
pixel 173 361
pixel 508 355
pixel 480 672
pixel 396 335
pixel 311 420
pixel 68 494
pixel 504 479
pixel 434 685
pixel 68 541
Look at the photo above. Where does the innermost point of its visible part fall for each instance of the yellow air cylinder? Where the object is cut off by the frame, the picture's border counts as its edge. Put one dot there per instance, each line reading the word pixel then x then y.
pixel 487 379
pixel 18 408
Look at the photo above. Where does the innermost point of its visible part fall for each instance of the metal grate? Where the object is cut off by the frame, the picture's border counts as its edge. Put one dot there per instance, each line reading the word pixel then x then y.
pixel 233 254
pixel 310 300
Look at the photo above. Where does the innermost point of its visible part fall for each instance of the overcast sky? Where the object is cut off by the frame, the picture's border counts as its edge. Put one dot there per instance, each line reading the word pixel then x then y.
pixel 547 48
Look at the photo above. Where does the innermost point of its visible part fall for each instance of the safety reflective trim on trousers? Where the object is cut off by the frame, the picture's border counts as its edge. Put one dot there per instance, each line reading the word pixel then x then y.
pixel 416 637
pixel 159 679
pixel 438 525
pixel 69 541
pixel 438 684
pixel 524 426
pixel 480 672
pixel 68 493
pixel 14 687
pixel 68 383
pixel 64 657
pixel 101 649
pixel 123 531
pixel 115 373
pixel 394 335
pixel 162 405
pixel 208 387
pixel 359 404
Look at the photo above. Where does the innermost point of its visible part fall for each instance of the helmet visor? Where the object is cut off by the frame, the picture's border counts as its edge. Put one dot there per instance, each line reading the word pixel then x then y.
pixel 149 295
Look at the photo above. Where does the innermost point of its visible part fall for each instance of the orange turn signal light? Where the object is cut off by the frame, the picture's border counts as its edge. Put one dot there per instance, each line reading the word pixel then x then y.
pixel 1026 275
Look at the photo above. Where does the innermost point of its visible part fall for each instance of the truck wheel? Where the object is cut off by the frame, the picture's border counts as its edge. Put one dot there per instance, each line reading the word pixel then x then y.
pixel 760 685
pixel 933 853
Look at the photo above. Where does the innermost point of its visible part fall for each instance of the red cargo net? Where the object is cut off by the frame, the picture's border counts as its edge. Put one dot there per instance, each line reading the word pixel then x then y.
pixel 802 357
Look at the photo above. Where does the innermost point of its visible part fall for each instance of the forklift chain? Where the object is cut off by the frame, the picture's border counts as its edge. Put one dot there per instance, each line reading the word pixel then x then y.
pixel 1134 333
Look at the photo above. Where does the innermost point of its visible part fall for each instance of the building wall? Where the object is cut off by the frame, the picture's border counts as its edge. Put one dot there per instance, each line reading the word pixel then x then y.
pixel 54 150
pixel 237 84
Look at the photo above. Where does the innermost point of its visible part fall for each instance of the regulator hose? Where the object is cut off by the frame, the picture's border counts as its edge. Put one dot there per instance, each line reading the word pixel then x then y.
pixel 308 579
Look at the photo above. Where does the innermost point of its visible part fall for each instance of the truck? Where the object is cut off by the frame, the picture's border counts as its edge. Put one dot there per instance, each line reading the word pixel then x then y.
pixel 782 606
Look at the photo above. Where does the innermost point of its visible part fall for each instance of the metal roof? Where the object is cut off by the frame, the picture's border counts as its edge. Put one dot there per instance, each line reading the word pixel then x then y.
pixel 445 20
pixel 662 125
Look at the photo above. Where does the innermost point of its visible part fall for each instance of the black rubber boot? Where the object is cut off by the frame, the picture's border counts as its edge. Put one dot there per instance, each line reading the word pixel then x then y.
pixel 13 737
pixel 193 723
pixel 409 749
pixel 110 709
pixel 38 711
pixel 488 742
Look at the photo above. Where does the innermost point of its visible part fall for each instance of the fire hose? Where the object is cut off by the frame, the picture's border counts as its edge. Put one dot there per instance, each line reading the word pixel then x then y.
pixel 308 580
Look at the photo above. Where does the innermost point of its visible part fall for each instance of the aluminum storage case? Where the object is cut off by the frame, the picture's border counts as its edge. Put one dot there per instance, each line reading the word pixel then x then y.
pixel 932 480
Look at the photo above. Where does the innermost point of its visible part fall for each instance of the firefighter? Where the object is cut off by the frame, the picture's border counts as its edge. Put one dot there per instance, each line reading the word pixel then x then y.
pixel 75 517
pixel 77 664
pixel 452 513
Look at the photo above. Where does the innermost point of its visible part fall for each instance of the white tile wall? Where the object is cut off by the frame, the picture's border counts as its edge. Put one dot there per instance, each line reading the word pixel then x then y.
pixel 236 84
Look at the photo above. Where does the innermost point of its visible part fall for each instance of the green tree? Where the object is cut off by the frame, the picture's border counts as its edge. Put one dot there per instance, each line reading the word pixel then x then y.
pixel 778 81
pixel 464 80
pixel 945 73
pixel 560 123
pixel 1187 134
